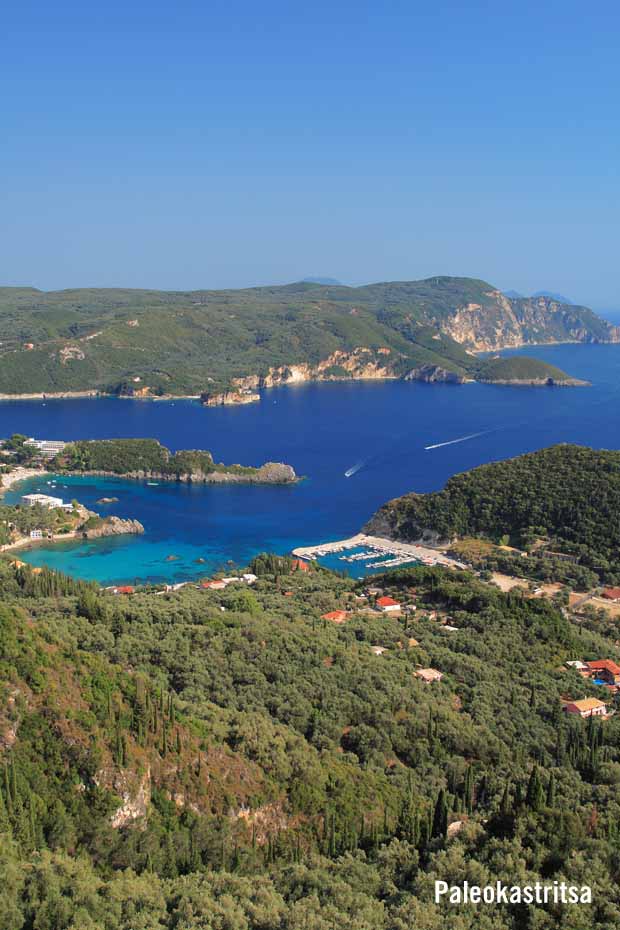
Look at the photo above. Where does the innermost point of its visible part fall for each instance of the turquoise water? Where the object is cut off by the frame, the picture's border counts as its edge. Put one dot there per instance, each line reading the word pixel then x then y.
pixel 377 432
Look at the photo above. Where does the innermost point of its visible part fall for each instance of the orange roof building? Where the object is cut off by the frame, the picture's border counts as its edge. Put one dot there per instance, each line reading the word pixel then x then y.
pixel 606 669
pixel 587 707
pixel 336 616
pixel 387 604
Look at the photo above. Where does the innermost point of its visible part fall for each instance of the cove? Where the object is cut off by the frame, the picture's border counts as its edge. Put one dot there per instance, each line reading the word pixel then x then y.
pixel 358 444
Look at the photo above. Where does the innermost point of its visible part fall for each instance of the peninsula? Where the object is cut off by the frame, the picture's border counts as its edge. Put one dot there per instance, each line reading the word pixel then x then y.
pixel 224 346
pixel 21 458
pixel 558 504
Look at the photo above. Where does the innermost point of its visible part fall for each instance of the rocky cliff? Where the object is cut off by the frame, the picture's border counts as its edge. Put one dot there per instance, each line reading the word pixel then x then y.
pixel 110 526
pixel 501 322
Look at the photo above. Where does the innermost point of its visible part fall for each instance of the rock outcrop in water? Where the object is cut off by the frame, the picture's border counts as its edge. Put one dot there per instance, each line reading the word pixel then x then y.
pixel 110 526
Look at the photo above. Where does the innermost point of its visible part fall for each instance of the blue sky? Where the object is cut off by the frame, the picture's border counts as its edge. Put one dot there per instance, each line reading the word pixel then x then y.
pixel 209 144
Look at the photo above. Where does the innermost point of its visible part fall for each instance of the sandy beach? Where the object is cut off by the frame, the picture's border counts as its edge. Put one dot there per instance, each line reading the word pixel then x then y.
pixel 19 474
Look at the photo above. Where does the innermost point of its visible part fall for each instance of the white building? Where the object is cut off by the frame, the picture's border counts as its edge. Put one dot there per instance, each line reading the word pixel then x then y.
pixel 48 448
pixel 52 503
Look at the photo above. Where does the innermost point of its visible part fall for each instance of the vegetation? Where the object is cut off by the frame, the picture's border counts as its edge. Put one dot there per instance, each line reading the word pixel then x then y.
pixel 155 342
pixel 126 456
pixel 522 368
pixel 561 502
pixel 166 763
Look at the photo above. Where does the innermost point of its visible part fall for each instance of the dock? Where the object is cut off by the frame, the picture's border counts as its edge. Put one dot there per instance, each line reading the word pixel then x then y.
pixel 376 547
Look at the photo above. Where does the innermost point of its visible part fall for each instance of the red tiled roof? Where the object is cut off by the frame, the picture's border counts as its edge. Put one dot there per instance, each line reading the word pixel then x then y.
pixel 612 594
pixel 387 602
pixel 605 664
pixel 125 589
pixel 300 565
pixel 336 615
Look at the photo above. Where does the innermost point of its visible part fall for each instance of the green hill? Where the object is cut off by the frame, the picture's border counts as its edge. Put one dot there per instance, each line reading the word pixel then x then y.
pixel 524 370
pixel 568 496
pixel 167 764
pixel 201 341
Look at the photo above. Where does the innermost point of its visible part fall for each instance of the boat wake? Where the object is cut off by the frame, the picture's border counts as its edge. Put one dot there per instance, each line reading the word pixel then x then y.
pixel 451 442
pixel 354 469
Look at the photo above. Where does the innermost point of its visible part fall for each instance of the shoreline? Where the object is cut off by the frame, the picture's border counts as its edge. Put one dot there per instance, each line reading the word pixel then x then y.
pixel 95 394
pixel 383 545
pixel 20 474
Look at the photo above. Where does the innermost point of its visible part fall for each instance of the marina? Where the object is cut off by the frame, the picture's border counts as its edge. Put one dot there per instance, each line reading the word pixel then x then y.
pixel 384 553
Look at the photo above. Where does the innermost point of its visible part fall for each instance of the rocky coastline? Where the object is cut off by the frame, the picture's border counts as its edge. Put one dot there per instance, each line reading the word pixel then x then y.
pixel 269 473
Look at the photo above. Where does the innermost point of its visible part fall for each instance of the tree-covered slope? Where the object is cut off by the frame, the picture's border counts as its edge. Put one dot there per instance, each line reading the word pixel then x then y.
pixel 169 765
pixel 568 495
pixel 192 342
pixel 521 369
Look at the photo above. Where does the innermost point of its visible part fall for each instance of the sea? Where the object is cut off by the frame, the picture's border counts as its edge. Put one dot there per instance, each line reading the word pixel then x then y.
pixel 356 445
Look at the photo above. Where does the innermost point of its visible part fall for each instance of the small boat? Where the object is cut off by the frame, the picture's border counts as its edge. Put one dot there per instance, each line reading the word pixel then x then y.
pixel 153 484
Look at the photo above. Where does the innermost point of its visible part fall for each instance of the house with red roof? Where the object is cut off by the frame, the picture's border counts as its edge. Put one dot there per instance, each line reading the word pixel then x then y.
pixel 387 604
pixel 606 670
pixel 611 594
pixel 336 616
pixel 300 566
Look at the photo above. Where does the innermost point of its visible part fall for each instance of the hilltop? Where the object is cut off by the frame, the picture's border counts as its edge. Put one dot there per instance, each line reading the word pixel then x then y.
pixel 223 345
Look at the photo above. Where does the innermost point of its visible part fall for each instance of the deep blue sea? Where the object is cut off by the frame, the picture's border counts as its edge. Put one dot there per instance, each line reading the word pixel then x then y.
pixel 379 430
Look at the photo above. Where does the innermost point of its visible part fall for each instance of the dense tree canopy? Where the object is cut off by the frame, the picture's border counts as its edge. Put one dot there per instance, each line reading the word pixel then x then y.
pixel 564 498
pixel 282 774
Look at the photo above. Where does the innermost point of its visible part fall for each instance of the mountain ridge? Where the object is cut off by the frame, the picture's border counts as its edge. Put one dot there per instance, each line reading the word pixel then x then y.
pixel 155 343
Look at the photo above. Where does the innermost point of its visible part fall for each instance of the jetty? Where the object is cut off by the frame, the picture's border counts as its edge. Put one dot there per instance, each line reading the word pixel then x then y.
pixel 378 548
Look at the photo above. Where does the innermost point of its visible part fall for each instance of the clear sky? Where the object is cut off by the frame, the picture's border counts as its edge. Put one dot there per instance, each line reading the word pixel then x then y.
pixel 220 144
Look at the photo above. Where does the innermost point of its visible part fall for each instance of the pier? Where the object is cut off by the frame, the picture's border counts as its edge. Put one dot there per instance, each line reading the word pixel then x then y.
pixel 377 547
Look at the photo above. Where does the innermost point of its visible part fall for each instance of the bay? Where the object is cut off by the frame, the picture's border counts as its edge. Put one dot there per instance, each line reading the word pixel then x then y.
pixel 378 433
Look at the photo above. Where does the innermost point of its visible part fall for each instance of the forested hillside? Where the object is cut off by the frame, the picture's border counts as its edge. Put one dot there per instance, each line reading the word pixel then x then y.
pixel 229 759
pixel 565 497
pixel 157 342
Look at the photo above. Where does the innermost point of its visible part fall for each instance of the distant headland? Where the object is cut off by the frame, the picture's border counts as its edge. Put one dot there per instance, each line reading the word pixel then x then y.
pixel 223 347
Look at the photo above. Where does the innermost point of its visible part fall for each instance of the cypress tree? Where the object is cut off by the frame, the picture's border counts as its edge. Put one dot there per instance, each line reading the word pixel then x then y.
pixel 440 816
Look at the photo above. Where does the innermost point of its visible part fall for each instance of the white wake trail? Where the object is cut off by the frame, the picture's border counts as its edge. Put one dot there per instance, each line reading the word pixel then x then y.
pixel 354 468
pixel 451 442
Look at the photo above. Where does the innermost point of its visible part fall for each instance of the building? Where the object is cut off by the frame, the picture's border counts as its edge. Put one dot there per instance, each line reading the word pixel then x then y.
pixel 31 500
pixel 429 675
pixel 299 565
pixel 611 594
pixel 49 448
pixel 378 650
pixel 605 670
pixel 36 534
pixel 388 605
pixel 214 585
pixel 336 616
pixel 586 707
pixel 580 667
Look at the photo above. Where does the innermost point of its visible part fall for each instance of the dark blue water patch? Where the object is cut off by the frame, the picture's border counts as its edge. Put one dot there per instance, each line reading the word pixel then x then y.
pixel 375 431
